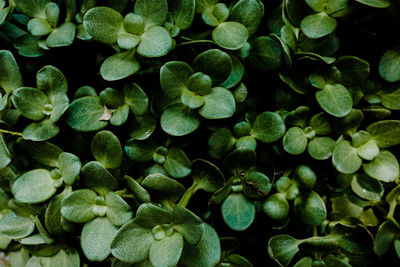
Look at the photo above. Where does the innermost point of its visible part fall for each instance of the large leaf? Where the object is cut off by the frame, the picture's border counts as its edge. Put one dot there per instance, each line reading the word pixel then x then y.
pixel 173 77
pixel 384 238
pixel 140 151
pixel 98 178
pixel 179 120
pixel 153 12
pixel 238 212
pixel 295 141
pixel 177 163
pixel 30 102
pixel 15 226
pixel 40 131
pixel 375 3
pixel 282 248
pixel 249 13
pixel 42 152
pixel 155 42
pixel 318 25
pixel 215 63
pixel 103 24
pixel 268 127
pixel 188 225
pixel 384 167
pixel 321 148
pixel 345 158
pixel 69 166
pixel 163 187
pixel 136 98
pixel 106 149
pixel 5 156
pixel 207 176
pixel 367 187
pixel 386 133
pixel 389 66
pixel 181 13
pixel 64 35
pixel 218 104
pixel 118 211
pixel 166 252
pixel 335 100
pixel 78 206
pixel 53 214
pixel 265 53
pixel 149 215
pixel 96 238
pixel 34 187
pixel 84 114
pixel 126 62
pixel 10 77
pixel 310 208
pixel 230 35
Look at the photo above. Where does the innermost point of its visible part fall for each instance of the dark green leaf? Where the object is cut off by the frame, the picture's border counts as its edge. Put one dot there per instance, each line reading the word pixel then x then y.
pixel 126 62
pixel 10 77
pixel 318 25
pixel 98 178
pixel 265 53
pixel 179 120
pixel 78 206
pixel 230 35
pixel 238 212
pixel 106 149
pixel 384 167
pixel 310 208
pixel 282 248
pixel 163 187
pixel 386 133
pixel 335 100
pixel 268 127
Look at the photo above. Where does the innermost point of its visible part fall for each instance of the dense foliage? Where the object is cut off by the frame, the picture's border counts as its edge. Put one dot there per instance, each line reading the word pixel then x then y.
pixel 199 133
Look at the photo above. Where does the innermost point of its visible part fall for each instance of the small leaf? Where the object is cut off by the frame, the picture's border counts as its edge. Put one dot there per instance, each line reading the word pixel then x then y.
pixel 69 166
pixel 188 225
pixel 386 133
pixel 136 98
pixel 5 155
pixel 126 62
pixel 265 53
pixel 173 77
pixel 268 127
pixel 282 248
pixel 132 243
pixel 153 12
pixel 149 215
pixel 207 176
pixel 103 24
pixel 118 211
pixel 177 163
pixel 215 63
pixel 84 113
pixel 15 226
pixel 139 192
pixel 321 148
pixel 96 238
pixel 367 187
pixel 238 212
pixel 98 178
pixel 34 187
pixel 391 100
pixel 276 206
pixel 155 42
pixel 384 167
pixel 30 102
pixel 310 208
pixel 218 104
pixel 40 131
pixel 166 252
pixel 53 214
pixel 142 127
pixel 191 99
pixel 163 187
pixel 335 100
pixel 78 206
pixel 179 120
pixel 241 10
pixel 318 25
pixel 386 234
pixel 106 149
pixel 64 35
pixel 295 141
pixel 345 158
pixel 230 35
pixel 10 77
pixel 140 151
pixel 39 27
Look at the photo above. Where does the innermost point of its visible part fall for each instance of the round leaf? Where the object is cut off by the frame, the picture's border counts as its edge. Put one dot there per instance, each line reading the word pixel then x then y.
pixel 276 207
pixel 96 238
pixel 318 25
pixel 188 225
pixel 155 42
pixel 10 77
pixel 78 206
pixel 126 62
pixel 103 24
pixel 163 187
pixel 106 149
pixel 34 187
pixel 268 127
pixel 69 166
pixel 177 163
pixel 30 102
pixel 238 212
pixel 265 53
pixel 166 252
pixel 62 36
pixel 15 226
pixel 218 104
pixel 384 167
pixel 98 178
pixel 295 141
pixel 40 131
pixel 240 160
pixel 230 35
pixel 140 151
pixel 321 148
pixel 335 100
pixel 310 208
pixel 142 127
pixel 179 120
pixel 118 211
pixel 136 98
pixel 207 176
pixel 215 63
pixel 345 158
pixel 173 77
pixel 84 114
pixel 386 133
pixel 386 234
pixel 367 187
pixel 153 12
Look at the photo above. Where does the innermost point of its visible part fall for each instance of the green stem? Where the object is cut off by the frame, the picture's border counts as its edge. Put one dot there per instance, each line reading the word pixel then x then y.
pixel 390 215
pixel 10 132
pixel 188 195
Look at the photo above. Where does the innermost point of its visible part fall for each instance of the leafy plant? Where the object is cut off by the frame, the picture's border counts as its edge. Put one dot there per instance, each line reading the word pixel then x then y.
pixel 199 133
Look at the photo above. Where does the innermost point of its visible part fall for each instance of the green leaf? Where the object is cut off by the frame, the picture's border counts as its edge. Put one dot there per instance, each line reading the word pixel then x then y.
pixel 132 242
pixel 295 141
pixel 139 192
pixel 5 155
pixel 140 151
pixel 53 214
pixel 345 158
pixel 389 66
pixel 30 102
pixel 39 27
pixel 256 184
pixel 386 234
pixel 177 163
pixel 78 206
pixel 142 127
pixel 386 133
pixel 106 149
pixel 384 167
pixel 375 3
pixel 230 35
pixel 282 248
pixel 136 98
pixel 179 120
pixel 206 252
pixel 276 206
pixel 236 74
pixel 218 104
pixel 173 77
pixel 249 13
pixel 166 252
pixel 111 98
pixel 126 62
pixel 238 212
pixel 188 225
pixel 391 100
pixel 318 25
pixel 96 238
pixel 62 36
pixel 191 99
pixel 42 152
pixel 34 187
pixel 353 70
pixel 335 100
pixel 215 63
pixel 103 24
pixel 163 187
pixel 62 259
pixel 84 114
pixel 316 5
pixel 368 150
pixel 321 148
pixel 149 215
pixel 15 226
pixel 181 13
pixel 69 166
pixel 268 127
pixel 310 208
pixel 334 6
pixel 153 12
pixel 240 160
pixel 220 143
pixel 98 178
pixel 155 42
pixel 10 77
pixel 367 187
pixel 207 176
pixel 40 131
pixel 118 211
pixel 265 53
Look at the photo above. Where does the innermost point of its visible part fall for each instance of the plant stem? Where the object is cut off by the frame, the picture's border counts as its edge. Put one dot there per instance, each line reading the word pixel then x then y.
pixel 10 132
pixel 188 195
